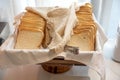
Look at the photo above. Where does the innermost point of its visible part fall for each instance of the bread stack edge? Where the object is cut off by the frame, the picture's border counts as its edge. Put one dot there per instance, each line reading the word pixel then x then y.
pixel 85 30
pixel 30 31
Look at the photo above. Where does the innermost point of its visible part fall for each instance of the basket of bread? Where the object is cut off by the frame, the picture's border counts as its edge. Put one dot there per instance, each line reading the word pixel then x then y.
pixel 84 34
pixel 52 36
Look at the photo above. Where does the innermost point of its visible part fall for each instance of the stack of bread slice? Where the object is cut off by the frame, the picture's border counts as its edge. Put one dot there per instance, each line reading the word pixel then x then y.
pixel 30 31
pixel 85 30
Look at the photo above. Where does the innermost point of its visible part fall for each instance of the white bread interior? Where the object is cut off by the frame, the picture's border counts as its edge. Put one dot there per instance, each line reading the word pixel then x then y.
pixel 29 40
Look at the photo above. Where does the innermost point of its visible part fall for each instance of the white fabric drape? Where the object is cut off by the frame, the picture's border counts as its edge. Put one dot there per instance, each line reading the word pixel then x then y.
pixel 108 14
pixel 114 20
pixel 102 10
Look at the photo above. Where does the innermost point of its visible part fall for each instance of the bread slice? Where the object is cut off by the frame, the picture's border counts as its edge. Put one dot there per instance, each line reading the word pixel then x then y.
pixel 33 26
pixel 85 26
pixel 91 34
pixel 31 31
pixel 82 41
pixel 29 40
pixel 86 8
